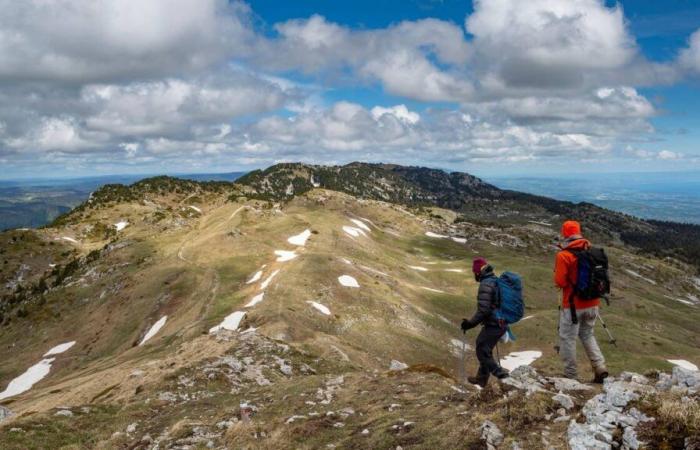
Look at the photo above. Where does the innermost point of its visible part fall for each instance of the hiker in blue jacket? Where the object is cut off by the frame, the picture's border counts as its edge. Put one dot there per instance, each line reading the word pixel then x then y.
pixel 487 301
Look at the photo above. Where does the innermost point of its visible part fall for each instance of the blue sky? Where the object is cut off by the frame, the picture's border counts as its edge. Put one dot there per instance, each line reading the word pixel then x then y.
pixel 494 87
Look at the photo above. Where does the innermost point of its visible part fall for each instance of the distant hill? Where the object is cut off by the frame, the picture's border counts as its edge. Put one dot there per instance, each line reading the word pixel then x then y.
pixel 475 200
pixel 36 202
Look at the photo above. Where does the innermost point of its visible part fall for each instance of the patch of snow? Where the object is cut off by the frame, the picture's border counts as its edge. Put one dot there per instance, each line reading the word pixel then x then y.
pixel 315 183
pixel 346 261
pixel 300 239
pixel 52 265
pixel 683 364
pixel 255 300
pixel 195 208
pixel 231 322
pixel 517 359
pixel 249 330
pixel 154 329
pixel 397 365
pixel 360 224
pixel 256 276
pixel 285 255
pixel 290 189
pixel 393 233
pixel 267 281
pixel 322 308
pixel 641 277
pixel 460 240
pixel 540 223
pixel 419 268
pixel 348 281
pixel 28 379
pixel 435 235
pixel 526 318
pixel 686 302
pixel 454 270
pixel 121 225
pixel 458 347
pixel 374 271
pixel 59 349
pixel 433 290
pixel 69 239
pixel 353 231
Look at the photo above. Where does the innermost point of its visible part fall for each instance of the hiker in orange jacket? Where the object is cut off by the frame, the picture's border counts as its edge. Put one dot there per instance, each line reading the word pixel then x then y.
pixel 565 274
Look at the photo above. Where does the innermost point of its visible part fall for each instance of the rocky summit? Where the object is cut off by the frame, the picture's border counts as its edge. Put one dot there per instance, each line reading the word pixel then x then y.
pixel 316 307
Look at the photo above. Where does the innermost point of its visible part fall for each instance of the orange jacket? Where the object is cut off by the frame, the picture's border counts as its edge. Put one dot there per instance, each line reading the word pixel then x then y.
pixel 565 272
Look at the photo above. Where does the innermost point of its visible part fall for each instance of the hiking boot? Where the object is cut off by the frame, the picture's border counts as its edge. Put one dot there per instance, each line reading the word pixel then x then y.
pixel 501 373
pixel 600 376
pixel 478 380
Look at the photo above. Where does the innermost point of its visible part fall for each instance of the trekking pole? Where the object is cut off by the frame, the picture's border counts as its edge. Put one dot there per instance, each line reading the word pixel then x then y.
pixel 613 341
pixel 462 370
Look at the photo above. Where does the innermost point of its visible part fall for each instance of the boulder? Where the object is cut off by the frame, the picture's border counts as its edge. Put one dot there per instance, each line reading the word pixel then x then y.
pixel 491 435
pixel 564 400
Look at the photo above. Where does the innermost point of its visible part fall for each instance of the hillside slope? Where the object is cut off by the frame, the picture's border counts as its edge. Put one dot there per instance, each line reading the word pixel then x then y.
pixel 192 306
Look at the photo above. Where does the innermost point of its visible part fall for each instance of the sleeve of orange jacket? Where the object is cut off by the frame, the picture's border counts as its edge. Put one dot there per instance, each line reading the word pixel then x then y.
pixel 561 270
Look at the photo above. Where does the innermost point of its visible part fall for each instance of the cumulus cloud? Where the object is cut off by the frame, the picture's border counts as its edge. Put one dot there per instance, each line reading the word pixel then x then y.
pixel 193 83
pixel 87 41
pixel 547 43
pixel 690 57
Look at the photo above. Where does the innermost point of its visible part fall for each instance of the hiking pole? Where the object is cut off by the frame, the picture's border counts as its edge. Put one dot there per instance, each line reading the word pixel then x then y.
pixel 613 341
pixel 462 370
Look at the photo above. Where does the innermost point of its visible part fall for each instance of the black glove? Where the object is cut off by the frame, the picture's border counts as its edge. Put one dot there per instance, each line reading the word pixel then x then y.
pixel 466 325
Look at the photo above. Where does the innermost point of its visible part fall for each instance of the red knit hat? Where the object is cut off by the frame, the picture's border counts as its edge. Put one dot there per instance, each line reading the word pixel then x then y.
pixel 570 228
pixel 479 264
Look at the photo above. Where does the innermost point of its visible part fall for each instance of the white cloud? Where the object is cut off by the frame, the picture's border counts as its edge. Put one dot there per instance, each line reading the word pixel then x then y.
pixel 85 41
pixel 548 43
pixel 669 155
pixel 689 58
pixel 399 111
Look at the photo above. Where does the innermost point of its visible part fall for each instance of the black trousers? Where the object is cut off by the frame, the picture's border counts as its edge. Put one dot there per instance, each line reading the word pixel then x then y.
pixel 485 342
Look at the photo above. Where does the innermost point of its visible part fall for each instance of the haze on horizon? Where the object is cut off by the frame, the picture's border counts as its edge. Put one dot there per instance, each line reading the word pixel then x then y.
pixel 489 87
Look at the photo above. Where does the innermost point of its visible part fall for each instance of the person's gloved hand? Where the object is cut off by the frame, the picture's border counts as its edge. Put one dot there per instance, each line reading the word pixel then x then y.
pixel 466 325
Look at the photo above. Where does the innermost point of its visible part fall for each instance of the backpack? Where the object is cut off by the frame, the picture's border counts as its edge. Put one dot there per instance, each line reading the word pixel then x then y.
pixel 592 279
pixel 511 306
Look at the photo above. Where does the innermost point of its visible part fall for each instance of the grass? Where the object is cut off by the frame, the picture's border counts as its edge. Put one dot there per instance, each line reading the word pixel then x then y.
pixel 389 317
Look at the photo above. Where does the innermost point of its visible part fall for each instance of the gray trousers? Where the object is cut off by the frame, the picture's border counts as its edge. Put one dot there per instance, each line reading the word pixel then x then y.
pixel 584 330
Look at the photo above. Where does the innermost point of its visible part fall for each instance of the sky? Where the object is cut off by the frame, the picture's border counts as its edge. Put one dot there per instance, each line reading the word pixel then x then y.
pixel 492 87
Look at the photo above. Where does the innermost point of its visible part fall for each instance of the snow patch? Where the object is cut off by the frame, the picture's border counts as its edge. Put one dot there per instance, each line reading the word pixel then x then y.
pixel 267 281
pixel 59 349
pixel 682 363
pixel 348 281
pixel 353 231
pixel 346 261
pixel 457 347
pixel 154 329
pixel 255 300
pixel 195 208
pixel 360 224
pixel 454 270
pixel 459 240
pixel 435 235
pixel 285 255
pixel 256 276
pixel 121 225
pixel 231 322
pixel 322 308
pixel 641 277
pixel 517 359
pixel 300 239
pixel 315 183
pixel 433 290
pixel 419 268
pixel 28 379
pixel 69 239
